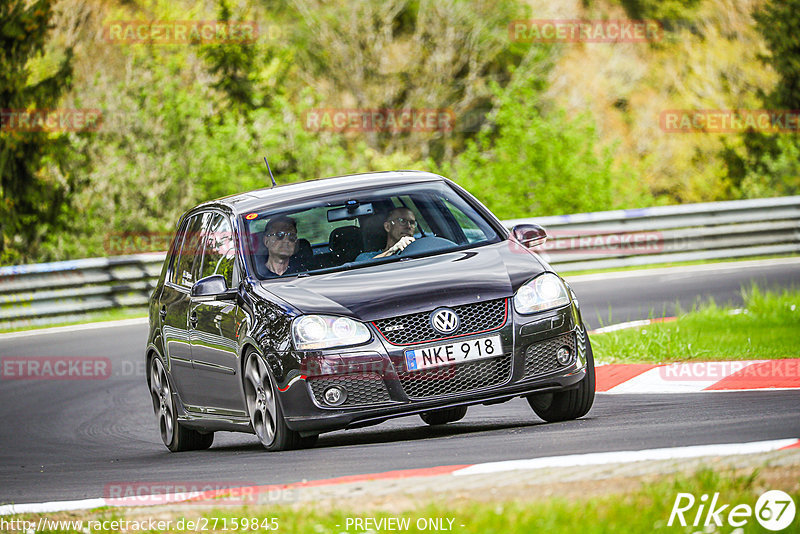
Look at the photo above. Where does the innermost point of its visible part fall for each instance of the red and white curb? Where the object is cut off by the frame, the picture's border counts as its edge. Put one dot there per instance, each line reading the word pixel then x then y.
pixel 698 376
pixel 572 460
pixel 693 376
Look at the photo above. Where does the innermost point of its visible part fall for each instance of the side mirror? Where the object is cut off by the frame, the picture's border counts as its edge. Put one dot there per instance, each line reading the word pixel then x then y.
pixel 530 235
pixel 213 287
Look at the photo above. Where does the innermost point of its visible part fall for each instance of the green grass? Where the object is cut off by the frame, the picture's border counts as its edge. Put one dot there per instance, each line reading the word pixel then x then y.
pixel 642 508
pixel 768 328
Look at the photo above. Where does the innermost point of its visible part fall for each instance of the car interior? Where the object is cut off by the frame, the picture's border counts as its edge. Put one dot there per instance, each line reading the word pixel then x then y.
pixel 356 228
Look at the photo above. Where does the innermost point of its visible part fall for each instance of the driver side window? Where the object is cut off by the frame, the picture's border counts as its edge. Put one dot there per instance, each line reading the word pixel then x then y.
pixel 187 264
pixel 220 249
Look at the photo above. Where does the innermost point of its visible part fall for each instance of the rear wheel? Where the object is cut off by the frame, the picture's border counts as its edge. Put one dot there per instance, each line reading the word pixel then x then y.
pixel 444 416
pixel 571 404
pixel 174 435
pixel 266 416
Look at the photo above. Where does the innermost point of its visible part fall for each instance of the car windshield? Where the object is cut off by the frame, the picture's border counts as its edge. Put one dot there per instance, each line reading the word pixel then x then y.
pixel 349 230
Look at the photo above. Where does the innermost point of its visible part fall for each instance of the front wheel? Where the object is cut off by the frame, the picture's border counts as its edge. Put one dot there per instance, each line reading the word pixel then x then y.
pixel 266 416
pixel 570 404
pixel 175 436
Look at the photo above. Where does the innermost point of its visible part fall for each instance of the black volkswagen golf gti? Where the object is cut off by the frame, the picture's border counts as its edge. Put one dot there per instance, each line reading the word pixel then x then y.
pixel 344 302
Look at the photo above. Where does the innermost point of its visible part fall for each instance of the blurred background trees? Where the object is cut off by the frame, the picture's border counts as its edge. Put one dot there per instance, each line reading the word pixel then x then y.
pixel 36 186
pixel 539 129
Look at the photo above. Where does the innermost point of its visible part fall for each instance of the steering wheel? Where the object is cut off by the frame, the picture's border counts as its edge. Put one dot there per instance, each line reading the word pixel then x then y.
pixel 427 244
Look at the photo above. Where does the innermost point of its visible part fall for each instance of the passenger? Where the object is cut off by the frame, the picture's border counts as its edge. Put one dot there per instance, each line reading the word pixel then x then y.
pixel 280 238
pixel 400 225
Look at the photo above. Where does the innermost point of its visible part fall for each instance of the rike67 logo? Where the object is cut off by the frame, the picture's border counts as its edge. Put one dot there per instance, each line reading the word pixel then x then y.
pixel 774 510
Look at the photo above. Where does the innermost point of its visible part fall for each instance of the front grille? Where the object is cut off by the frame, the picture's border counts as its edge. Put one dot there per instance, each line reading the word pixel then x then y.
pixel 540 358
pixel 456 378
pixel 367 388
pixel 416 327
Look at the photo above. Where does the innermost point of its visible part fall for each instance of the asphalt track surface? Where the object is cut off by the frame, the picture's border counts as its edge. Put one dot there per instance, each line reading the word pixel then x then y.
pixel 65 440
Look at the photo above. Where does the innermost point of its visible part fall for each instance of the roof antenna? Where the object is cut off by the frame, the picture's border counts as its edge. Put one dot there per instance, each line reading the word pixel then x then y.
pixel 270 171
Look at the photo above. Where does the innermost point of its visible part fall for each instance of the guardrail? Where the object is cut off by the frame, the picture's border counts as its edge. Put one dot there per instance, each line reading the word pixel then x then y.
pixel 47 293
pixel 664 234
pixel 63 291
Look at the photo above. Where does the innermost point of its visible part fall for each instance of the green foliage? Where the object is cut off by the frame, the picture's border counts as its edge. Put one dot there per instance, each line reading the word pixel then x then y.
pixel 777 172
pixel 190 122
pixel 666 10
pixel 35 186
pixel 779 24
pixel 421 54
pixel 535 162
pixel 768 164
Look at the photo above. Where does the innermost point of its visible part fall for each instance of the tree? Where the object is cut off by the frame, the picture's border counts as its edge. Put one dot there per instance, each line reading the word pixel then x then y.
pixel 535 162
pixel 411 54
pixel 769 165
pixel 34 189
pixel 779 23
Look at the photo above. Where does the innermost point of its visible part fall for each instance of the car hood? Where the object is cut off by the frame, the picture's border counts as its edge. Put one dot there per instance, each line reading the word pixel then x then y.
pixel 416 284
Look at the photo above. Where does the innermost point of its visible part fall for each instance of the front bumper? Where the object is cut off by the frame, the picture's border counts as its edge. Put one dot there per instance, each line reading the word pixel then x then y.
pixel 379 387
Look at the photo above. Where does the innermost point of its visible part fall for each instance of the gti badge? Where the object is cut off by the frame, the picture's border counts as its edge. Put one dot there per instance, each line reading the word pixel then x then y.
pixel 444 320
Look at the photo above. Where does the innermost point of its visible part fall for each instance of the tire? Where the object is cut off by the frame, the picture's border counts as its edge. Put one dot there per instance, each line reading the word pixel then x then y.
pixel 444 416
pixel 175 436
pixel 264 409
pixel 570 404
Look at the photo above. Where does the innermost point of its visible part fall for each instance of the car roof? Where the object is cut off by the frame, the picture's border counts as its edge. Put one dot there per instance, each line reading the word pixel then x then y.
pixel 277 196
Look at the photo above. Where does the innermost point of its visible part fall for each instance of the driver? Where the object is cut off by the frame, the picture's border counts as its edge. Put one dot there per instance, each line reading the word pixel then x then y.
pixel 400 225
pixel 280 239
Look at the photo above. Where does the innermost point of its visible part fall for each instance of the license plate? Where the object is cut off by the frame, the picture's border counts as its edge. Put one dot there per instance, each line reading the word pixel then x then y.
pixel 450 353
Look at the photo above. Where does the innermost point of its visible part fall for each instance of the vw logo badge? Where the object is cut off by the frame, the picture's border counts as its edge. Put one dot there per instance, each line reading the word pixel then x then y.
pixel 444 320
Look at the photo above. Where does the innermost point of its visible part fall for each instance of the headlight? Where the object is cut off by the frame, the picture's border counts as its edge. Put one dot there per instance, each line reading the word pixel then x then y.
pixel 325 331
pixel 542 293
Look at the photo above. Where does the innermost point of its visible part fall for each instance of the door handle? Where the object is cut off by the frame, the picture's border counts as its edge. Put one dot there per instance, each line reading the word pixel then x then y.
pixel 193 319
pixel 163 312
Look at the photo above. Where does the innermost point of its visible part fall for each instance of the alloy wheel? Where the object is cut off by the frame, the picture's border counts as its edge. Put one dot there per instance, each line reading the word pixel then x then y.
pixel 261 403
pixel 162 401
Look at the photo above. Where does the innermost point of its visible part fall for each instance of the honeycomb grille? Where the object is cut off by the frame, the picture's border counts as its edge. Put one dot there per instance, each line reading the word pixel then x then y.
pixel 456 378
pixel 473 318
pixel 367 388
pixel 540 358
